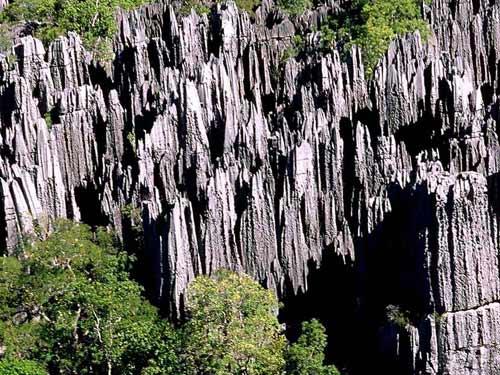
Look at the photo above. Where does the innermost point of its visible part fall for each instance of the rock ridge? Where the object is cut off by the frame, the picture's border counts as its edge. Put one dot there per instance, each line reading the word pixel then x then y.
pixel 235 158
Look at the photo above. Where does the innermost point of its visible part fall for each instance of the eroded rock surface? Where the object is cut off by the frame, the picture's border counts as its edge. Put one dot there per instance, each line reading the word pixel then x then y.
pixel 235 158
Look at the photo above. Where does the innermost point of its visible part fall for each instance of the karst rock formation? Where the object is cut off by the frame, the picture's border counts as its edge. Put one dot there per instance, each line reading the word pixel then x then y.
pixel 222 154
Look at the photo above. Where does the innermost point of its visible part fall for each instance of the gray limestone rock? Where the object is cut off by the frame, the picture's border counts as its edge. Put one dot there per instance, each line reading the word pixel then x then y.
pixel 240 160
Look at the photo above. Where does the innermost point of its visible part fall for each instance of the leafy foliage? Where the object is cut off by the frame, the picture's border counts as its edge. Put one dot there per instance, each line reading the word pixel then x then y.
pixel 48 120
pixel 93 20
pixel 68 303
pixel 5 38
pixel 248 5
pixel 68 306
pixel 373 24
pixel 294 7
pixel 307 355
pixel 203 6
pixel 232 328
pixel 370 24
pixel 198 6
pixel 297 46
pixel 327 38
pixel 397 316
pixel 20 367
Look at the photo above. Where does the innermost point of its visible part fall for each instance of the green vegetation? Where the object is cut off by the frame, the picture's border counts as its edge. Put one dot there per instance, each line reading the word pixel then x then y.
pixel 131 141
pixel 68 306
pixel 48 119
pixel 373 24
pixel 370 24
pixel 248 5
pixel 298 45
pixel 198 6
pixel 397 316
pixel 203 6
pixel 307 355
pixel 233 327
pixel 382 21
pixel 68 303
pixel 5 38
pixel 133 224
pixel 94 20
pixel 328 38
pixel 21 367
pixel 132 212
pixel 294 7
pixel 438 317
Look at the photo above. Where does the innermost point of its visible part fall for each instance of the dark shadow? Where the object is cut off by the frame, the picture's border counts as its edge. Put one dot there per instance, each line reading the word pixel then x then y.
pixel 88 201
pixel 98 76
pixel 331 299
pixel 424 135
pixel 494 193
pixel 350 298
pixel 3 229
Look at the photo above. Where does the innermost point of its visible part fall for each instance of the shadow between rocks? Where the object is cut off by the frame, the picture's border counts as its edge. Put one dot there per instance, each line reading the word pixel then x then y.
pixel 350 297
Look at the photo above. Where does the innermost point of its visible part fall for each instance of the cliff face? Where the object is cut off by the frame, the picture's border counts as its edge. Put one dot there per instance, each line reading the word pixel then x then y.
pixel 237 159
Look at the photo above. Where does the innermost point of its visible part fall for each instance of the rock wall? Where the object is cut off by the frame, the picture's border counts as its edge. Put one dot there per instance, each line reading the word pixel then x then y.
pixel 235 158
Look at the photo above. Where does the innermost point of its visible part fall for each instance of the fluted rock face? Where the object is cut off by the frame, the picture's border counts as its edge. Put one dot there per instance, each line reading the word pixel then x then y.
pixel 240 160
pixel 460 277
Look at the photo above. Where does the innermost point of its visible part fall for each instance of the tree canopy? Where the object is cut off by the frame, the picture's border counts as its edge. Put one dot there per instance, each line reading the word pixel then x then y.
pixel 380 22
pixel 94 21
pixel 68 303
pixel 369 24
pixel 20 367
pixel 69 307
pixel 232 327
pixel 307 355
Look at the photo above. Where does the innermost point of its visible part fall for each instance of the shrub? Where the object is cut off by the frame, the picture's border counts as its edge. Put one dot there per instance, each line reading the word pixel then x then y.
pixel 5 38
pixel 438 317
pixel 131 141
pixel 94 20
pixel 21 367
pixel 198 6
pixel 69 303
pixel 232 328
pixel 294 50
pixel 328 37
pixel 203 6
pixel 48 120
pixel 133 213
pixel 248 5
pixel 294 7
pixel 307 355
pixel 397 316
pixel 379 22
pixel 370 24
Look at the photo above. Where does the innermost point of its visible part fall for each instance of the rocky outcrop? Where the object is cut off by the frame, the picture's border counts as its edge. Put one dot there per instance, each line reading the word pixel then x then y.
pixel 237 159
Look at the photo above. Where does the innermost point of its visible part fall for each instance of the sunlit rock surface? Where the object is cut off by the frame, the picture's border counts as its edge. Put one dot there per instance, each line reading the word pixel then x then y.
pixel 237 159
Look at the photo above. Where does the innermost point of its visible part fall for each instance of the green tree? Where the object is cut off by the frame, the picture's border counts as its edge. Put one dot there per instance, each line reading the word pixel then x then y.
pixel 397 316
pixel 232 328
pixel 379 22
pixel 20 367
pixel 68 303
pixel 294 7
pixel 95 21
pixel 5 38
pixel 307 355
pixel 203 6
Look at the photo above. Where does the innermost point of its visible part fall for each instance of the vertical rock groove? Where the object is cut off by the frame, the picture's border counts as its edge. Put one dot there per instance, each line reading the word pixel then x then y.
pixel 283 169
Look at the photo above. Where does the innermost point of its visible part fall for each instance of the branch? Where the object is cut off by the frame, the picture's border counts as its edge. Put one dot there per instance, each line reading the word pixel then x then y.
pixel 94 19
